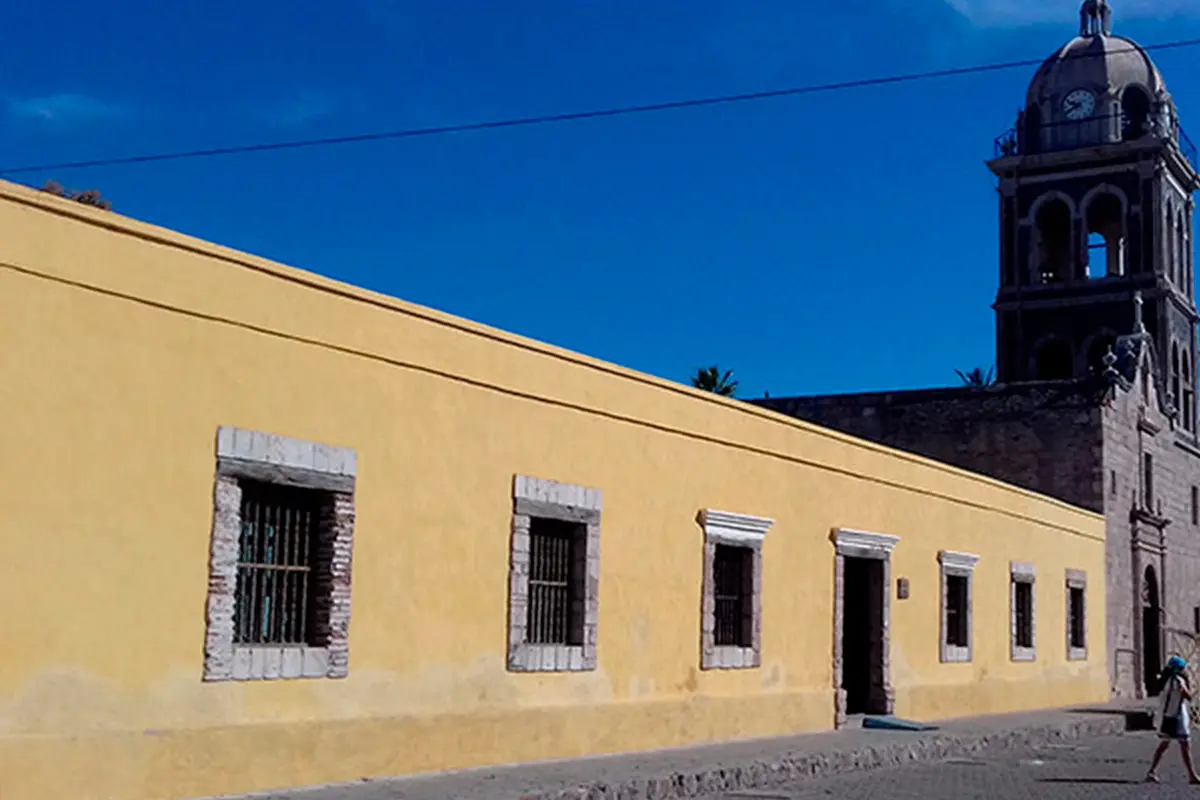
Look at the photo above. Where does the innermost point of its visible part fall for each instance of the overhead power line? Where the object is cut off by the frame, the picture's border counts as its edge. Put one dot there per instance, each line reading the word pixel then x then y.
pixel 572 116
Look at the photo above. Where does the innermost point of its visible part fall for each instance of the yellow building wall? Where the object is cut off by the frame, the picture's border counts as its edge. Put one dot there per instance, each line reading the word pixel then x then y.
pixel 123 347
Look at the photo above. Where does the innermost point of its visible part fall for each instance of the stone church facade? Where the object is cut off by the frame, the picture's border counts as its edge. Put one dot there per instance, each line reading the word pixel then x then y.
pixel 1096 351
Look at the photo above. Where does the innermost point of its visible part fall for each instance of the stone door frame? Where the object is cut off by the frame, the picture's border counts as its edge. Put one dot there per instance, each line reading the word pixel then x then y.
pixel 1148 551
pixel 849 543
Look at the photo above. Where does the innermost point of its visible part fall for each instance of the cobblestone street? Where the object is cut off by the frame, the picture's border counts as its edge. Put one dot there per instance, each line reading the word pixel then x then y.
pixel 1111 767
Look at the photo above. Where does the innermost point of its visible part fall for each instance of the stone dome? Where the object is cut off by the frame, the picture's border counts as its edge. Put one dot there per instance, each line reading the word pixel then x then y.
pixel 1102 63
pixel 1097 89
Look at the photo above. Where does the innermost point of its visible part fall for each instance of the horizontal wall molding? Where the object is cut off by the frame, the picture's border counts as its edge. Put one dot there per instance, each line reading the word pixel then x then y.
pixel 733 527
pixel 863 544
pixel 1022 570
pixel 951 559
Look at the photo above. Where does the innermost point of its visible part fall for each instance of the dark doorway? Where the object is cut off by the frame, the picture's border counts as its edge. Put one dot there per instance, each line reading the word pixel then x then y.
pixel 862 636
pixel 1151 634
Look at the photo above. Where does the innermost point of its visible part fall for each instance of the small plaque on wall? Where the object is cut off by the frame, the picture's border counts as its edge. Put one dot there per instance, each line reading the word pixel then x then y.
pixel 902 588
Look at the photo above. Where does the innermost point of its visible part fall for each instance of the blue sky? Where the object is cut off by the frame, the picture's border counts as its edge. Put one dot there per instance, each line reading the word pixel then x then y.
pixel 832 242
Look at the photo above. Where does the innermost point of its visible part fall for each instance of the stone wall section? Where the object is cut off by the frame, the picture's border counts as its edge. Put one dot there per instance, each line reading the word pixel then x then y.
pixel 1162 537
pixel 1042 437
pixel 1124 443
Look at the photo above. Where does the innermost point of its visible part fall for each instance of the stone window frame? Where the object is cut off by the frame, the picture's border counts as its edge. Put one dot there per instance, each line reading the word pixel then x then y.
pixel 549 499
pixel 1076 579
pixel 850 543
pixel 962 565
pixel 1022 573
pixel 280 460
pixel 737 530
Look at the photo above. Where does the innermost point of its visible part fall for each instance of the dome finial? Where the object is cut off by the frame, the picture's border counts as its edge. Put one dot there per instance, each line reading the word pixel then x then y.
pixel 1095 18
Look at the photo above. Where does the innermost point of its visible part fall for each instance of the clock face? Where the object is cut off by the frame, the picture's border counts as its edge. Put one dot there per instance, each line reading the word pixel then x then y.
pixel 1079 104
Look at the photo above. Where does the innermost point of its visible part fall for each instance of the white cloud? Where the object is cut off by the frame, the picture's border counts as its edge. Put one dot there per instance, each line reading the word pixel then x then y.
pixel 64 108
pixel 1011 13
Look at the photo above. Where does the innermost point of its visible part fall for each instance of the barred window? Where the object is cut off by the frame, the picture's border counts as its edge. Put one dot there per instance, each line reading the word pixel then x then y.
pixel 956 611
pixel 1077 631
pixel 557 564
pixel 276 576
pixel 733 584
pixel 1023 600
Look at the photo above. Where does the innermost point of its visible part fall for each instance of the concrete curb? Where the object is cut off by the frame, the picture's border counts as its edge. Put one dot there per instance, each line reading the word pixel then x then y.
pixel 728 777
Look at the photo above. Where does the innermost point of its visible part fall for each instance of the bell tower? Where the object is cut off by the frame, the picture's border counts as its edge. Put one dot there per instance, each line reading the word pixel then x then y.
pixel 1095 183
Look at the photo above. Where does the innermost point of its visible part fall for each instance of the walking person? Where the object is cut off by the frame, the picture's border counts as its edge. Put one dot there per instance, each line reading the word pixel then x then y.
pixel 1174 719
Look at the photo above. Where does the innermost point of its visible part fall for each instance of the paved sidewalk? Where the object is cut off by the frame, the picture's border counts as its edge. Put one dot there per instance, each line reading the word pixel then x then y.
pixel 712 770
pixel 1106 768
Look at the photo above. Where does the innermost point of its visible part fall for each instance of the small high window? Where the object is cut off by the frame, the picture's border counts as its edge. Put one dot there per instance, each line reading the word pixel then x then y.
pixel 1076 615
pixel 733 591
pixel 1148 481
pixel 957 626
pixel 1024 603
pixel 554 568
pixel 1189 393
pixel 731 609
pixel 1022 589
pixel 957 572
pixel 1078 640
pixel 1176 397
pixel 279 569
pixel 1195 505
pixel 557 559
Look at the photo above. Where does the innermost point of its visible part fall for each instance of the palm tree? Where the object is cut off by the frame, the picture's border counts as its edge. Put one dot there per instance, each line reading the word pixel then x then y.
pixel 976 378
pixel 710 379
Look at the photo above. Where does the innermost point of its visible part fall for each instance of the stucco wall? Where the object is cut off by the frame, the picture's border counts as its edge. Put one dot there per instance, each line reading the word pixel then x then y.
pixel 125 348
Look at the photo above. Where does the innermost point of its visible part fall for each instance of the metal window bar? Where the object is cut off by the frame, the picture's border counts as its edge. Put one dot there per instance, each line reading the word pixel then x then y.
pixel 275 565
pixel 956 610
pixel 733 576
pixel 555 582
pixel 1024 610
pixel 1077 618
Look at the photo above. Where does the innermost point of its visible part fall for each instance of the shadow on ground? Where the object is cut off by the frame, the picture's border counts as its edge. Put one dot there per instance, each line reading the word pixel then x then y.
pixel 1136 719
pixel 1089 780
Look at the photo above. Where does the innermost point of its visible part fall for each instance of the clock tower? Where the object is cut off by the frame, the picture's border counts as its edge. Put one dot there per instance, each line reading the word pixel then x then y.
pixel 1096 183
